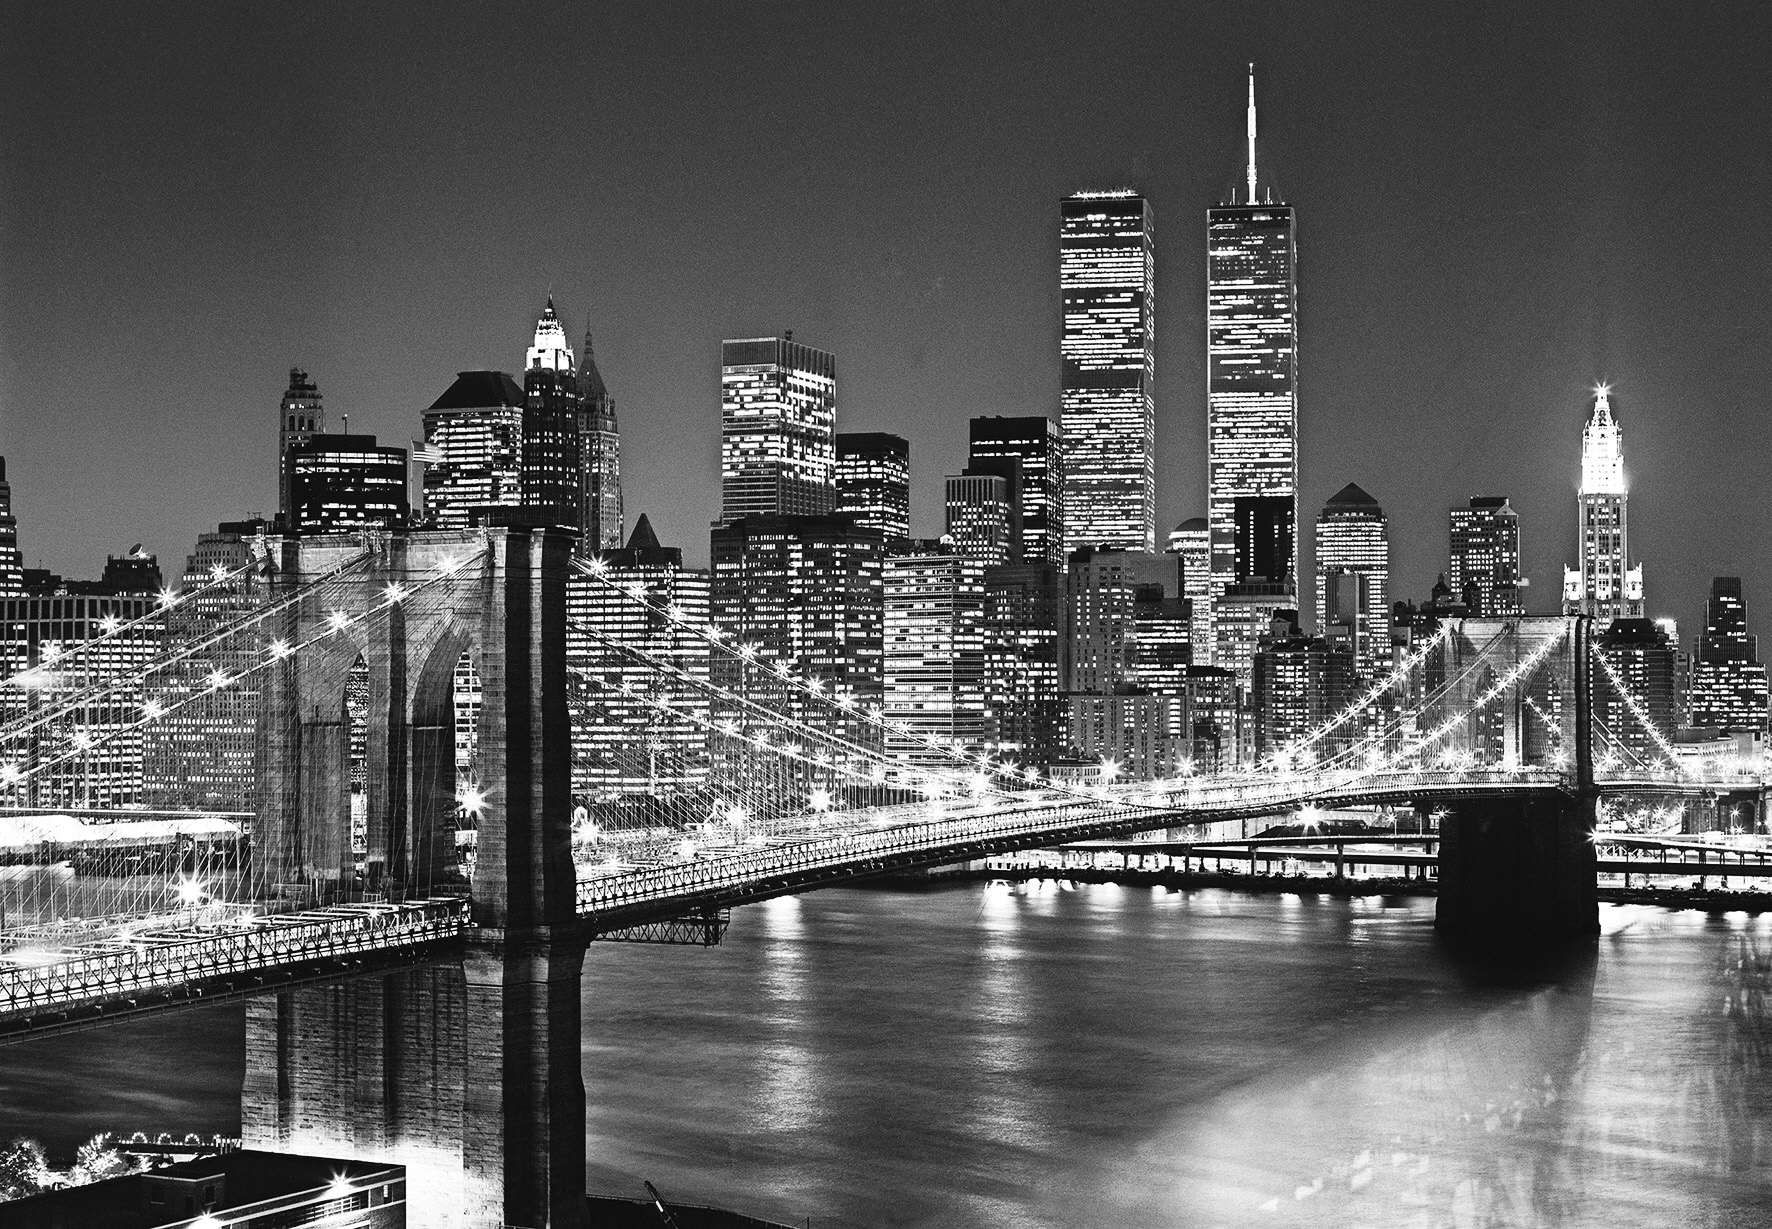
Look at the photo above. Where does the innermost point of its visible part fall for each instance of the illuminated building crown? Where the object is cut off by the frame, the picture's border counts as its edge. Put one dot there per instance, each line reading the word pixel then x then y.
pixel 550 349
pixel 1602 449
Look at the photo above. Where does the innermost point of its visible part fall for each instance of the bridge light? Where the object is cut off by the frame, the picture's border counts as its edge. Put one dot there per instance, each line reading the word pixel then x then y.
pixel 152 710
pixel 595 565
pixel 1109 769
pixel 1310 817
pixel 167 598
pixel 394 593
pixel 190 891
pixel 340 1187
pixel 471 799
pixel 218 573
pixel 979 783
pixel 11 774
pixel 218 679
pixel 109 624
pixel 280 649
pixel 338 620
pixel 83 740
pixel 685 848
pixel 820 799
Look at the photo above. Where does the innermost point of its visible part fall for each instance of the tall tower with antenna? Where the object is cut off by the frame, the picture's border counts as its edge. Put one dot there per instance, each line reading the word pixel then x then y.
pixel 1251 406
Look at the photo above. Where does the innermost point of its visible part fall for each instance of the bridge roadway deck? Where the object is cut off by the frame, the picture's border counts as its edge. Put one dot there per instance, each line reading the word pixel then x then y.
pixel 184 959
pixel 198 956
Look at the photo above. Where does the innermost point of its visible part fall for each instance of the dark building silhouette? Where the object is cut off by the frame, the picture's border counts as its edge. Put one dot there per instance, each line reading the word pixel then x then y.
pixel 339 483
pixel 1728 684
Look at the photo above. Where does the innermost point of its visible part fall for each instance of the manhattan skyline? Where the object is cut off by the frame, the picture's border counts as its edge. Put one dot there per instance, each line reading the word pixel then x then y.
pixel 1496 211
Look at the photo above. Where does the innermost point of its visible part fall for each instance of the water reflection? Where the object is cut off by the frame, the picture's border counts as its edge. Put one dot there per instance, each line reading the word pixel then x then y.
pixel 1042 1058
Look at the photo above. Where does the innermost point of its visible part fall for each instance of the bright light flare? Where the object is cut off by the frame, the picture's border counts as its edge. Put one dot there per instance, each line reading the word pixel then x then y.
pixel 190 891
pixel 280 649
pixel 471 799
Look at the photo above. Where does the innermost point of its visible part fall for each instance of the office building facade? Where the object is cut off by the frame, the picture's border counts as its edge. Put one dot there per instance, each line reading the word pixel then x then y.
pixel 778 423
pixel 342 483
pixel 1106 274
pixel 984 518
pixel 874 482
pixel 1251 369
pixel 1028 451
pixel 1727 691
pixel 1483 557
pixel 473 449
pixel 624 745
pixel 1353 576
pixel 936 682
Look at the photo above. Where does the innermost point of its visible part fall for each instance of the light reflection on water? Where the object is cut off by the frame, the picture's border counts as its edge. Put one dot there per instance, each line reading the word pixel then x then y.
pixel 1029 1056
pixel 1034 1057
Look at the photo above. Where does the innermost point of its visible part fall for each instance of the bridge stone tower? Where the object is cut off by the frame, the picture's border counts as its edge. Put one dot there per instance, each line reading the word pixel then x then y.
pixel 467 1072
pixel 1517 873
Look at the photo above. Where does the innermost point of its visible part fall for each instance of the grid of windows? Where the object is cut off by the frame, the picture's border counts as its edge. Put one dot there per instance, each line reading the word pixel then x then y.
pixel 1251 397
pixel 1106 277
pixel 874 481
pixel 778 417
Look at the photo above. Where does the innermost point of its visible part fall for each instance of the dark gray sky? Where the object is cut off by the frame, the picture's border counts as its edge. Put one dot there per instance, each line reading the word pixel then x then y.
pixel 1498 205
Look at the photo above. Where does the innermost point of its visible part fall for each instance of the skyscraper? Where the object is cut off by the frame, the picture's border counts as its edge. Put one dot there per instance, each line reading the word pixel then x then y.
pixel 1604 585
pixel 1193 542
pixel 473 449
pixel 874 481
pixel 1642 658
pixel 551 458
pixel 805 591
pixel 1251 366
pixel 1484 557
pixel 1029 450
pixel 623 744
pixel 599 455
pixel 339 483
pixel 1728 690
pixel 984 517
pixel 1106 271
pixel 1353 575
pixel 935 660
pixel 12 564
pixel 778 423
pixel 300 416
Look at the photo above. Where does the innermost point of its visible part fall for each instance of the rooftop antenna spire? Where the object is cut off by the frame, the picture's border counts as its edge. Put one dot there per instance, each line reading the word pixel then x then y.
pixel 1252 132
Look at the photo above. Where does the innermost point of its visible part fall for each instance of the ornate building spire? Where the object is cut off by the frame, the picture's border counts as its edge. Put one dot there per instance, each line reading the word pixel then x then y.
pixel 550 349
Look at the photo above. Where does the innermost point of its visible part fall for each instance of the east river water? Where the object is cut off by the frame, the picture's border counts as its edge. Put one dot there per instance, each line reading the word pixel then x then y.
pixel 1033 1055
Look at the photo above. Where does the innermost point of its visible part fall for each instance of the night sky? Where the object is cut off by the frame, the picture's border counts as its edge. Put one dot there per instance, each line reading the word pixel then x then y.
pixel 1498 205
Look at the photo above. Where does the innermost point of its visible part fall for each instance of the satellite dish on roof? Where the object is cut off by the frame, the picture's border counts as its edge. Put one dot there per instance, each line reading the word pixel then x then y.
pixel 135 551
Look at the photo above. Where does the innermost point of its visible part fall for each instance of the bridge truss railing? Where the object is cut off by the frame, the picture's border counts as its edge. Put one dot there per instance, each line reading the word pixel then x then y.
pixel 135 962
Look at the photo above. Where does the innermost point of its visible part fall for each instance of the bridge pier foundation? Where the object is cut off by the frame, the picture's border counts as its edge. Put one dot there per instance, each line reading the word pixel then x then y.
pixel 1517 873
pixel 468 1074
